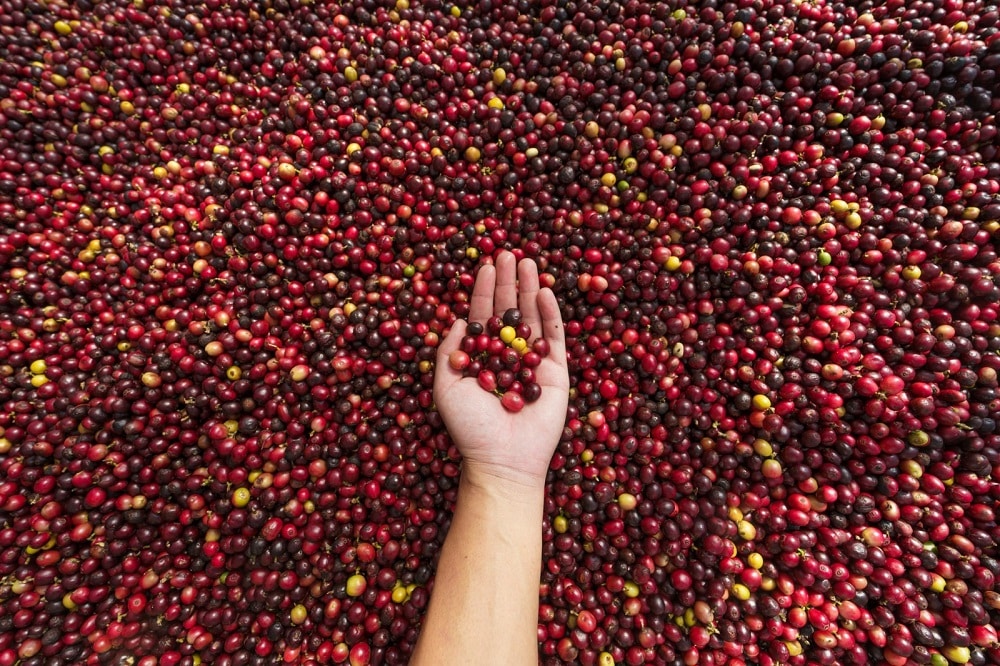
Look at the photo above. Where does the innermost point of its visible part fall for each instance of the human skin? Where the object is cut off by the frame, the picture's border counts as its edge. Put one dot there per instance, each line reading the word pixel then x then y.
pixel 484 605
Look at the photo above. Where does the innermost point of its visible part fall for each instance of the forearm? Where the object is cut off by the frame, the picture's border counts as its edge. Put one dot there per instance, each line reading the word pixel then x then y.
pixel 484 607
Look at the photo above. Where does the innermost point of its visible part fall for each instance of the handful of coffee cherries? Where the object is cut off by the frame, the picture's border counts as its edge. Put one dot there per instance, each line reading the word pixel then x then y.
pixel 501 358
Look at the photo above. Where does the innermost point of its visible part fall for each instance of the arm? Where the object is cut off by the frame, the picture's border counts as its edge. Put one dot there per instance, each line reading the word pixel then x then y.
pixel 484 607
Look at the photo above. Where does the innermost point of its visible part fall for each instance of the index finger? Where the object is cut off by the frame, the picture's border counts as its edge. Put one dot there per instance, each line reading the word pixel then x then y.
pixel 481 307
pixel 527 288
pixel 505 296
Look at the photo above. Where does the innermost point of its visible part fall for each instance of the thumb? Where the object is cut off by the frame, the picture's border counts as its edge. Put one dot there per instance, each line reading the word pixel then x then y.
pixel 444 374
pixel 451 342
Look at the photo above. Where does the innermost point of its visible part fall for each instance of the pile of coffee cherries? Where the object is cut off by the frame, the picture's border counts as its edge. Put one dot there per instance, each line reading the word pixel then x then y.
pixel 233 234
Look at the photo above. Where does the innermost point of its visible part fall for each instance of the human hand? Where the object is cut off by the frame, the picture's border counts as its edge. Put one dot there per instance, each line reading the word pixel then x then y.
pixel 496 443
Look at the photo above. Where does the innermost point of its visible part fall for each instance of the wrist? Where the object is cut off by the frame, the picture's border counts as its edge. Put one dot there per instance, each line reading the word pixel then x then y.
pixel 509 486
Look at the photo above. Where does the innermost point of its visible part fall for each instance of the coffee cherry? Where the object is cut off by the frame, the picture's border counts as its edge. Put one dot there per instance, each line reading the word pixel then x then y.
pixel 509 352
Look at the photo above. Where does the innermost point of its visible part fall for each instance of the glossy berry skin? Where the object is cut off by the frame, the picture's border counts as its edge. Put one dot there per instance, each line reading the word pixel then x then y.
pixel 512 402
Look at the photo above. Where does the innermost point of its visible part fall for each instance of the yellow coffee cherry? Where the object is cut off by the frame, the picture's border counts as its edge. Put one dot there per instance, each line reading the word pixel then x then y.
pixel 241 497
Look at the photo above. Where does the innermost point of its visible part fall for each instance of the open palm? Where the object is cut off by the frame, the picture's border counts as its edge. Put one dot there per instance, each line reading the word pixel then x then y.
pixel 493 441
